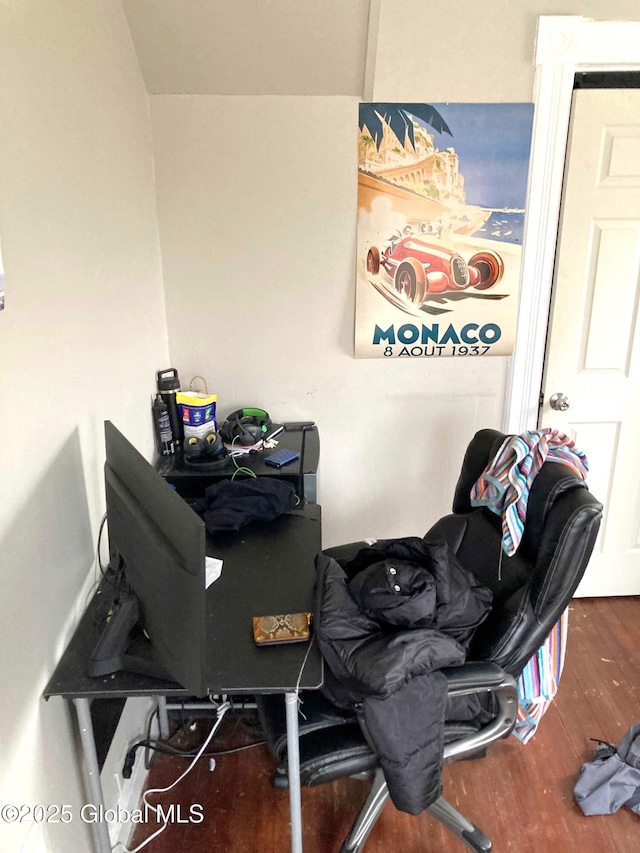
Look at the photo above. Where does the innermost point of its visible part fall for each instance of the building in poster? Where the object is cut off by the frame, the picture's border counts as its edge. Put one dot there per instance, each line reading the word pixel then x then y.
pixel 441 195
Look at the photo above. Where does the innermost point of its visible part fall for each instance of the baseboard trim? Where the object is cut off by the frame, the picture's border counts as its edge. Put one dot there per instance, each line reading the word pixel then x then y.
pixel 123 795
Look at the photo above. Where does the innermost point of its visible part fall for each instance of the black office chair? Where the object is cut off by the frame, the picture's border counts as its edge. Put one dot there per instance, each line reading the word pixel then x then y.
pixel 531 590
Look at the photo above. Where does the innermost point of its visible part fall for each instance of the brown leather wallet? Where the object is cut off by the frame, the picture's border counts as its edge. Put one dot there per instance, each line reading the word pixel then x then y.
pixel 285 628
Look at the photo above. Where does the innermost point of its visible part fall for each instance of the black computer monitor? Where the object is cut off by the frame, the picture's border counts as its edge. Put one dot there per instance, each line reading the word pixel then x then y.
pixel 157 545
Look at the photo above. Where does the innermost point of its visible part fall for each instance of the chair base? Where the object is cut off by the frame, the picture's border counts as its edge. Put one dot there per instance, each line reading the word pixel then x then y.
pixel 474 838
pixel 369 813
pixel 441 810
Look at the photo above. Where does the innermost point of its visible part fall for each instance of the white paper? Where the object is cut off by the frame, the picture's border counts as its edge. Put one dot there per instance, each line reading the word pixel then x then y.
pixel 212 570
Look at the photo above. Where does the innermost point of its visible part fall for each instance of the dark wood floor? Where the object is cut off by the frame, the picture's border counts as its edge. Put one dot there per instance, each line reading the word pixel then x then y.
pixel 521 796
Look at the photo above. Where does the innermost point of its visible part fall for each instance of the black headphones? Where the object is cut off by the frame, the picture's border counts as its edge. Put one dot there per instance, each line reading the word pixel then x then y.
pixel 245 426
pixel 205 454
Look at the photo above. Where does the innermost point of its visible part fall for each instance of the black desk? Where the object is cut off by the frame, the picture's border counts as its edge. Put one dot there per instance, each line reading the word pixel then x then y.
pixel 267 568
pixel 192 483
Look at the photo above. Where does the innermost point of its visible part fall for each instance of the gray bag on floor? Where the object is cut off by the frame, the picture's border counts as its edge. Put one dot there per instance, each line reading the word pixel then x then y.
pixel 612 779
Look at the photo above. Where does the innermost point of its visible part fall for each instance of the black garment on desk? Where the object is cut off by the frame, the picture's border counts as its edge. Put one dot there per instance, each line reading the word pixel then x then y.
pixel 230 504
pixel 409 610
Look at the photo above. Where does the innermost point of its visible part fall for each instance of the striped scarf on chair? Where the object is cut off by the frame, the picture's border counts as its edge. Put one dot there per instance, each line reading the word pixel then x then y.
pixel 504 485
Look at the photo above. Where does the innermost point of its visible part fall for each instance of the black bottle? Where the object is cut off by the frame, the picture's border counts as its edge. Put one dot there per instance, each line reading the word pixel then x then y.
pixel 162 427
pixel 168 386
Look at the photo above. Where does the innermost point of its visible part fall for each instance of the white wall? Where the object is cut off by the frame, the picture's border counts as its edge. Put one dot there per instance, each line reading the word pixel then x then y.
pixel 466 50
pixel 81 337
pixel 257 214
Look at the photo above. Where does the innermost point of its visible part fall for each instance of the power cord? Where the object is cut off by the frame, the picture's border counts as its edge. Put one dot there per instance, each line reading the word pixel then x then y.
pixel 166 749
pixel 240 469
pixel 147 756
pixel 150 744
pixel 98 553
pixel 97 562
pixel 220 712
pixel 297 690
pixel 118 584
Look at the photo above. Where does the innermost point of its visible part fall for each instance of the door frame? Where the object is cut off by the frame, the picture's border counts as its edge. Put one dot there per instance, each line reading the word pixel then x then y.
pixel 565 45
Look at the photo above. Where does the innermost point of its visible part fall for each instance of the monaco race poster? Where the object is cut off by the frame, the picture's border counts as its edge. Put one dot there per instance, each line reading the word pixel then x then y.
pixel 441 206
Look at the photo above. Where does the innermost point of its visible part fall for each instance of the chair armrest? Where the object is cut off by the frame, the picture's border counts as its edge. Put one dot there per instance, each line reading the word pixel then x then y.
pixel 473 677
pixel 483 677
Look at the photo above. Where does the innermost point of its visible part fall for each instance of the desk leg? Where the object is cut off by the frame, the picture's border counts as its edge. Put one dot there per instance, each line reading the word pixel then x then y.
pixel 100 828
pixel 163 717
pixel 293 757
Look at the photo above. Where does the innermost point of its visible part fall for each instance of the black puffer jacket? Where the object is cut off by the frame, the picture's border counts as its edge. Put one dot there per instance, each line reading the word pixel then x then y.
pixel 408 610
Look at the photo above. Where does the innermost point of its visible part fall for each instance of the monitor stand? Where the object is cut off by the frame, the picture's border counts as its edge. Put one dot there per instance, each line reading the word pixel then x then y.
pixel 123 646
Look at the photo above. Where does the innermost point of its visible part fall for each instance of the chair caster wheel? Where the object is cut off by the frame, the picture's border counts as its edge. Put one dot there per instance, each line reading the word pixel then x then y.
pixel 477 841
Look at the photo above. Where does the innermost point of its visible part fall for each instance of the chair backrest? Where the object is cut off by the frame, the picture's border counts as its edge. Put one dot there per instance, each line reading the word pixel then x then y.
pixel 533 587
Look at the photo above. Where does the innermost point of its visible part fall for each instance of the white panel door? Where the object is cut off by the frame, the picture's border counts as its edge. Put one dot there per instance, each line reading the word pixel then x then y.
pixel 593 351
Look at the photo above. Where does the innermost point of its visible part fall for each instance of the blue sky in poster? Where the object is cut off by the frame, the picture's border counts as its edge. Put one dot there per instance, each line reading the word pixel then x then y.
pixel 493 143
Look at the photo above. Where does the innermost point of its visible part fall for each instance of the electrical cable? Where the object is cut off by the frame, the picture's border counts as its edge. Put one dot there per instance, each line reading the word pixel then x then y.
pixel 98 555
pixel 297 690
pixel 240 469
pixel 166 748
pixel 147 756
pixel 97 563
pixel 104 610
pixel 220 712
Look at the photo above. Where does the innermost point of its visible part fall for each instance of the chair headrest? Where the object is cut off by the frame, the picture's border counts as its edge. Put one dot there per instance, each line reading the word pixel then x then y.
pixel 482 448
pixel 553 480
